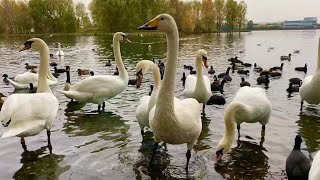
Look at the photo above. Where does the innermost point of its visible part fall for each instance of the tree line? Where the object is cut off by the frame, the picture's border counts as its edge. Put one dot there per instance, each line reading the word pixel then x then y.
pixel 64 16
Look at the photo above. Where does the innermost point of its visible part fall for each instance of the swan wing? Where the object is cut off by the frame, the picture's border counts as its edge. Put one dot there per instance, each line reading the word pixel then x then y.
pixel 28 107
pixel 17 85
pixel 142 114
pixel 207 83
pixel 306 89
pixel 26 78
pixel 190 85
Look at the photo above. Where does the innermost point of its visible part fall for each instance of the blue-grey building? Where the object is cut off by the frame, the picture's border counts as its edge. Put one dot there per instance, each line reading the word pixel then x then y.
pixel 307 22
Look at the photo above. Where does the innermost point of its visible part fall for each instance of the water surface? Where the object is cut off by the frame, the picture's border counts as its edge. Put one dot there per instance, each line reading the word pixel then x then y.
pixel 89 145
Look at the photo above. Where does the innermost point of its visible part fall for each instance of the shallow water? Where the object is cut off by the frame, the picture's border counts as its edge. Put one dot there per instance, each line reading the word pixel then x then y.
pixel 89 145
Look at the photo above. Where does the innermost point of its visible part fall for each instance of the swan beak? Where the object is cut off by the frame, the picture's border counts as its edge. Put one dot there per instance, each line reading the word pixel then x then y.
pixel 26 46
pixel 218 158
pixel 125 39
pixel 205 61
pixel 151 25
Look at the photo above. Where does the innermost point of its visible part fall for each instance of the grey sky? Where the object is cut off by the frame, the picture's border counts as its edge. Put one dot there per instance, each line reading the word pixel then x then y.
pixel 276 10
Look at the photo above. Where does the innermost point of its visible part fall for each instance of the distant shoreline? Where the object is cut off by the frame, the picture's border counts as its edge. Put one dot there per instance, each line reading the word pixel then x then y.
pixel 143 33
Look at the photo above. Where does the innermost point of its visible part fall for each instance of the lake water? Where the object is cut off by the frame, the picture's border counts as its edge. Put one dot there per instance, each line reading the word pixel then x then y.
pixel 107 145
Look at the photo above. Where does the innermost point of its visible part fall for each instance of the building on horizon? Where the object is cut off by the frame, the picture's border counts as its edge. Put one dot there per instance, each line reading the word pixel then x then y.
pixel 307 22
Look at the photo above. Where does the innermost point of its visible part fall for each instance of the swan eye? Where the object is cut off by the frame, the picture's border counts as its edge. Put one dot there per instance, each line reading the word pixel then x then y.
pixel 162 18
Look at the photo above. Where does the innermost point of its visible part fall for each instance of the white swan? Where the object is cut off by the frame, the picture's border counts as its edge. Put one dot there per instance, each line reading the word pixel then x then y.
pixel 310 88
pixel 97 89
pixel 314 173
pixel 199 86
pixel 59 52
pixel 147 102
pixel 28 114
pixel 22 81
pixel 172 120
pixel 249 105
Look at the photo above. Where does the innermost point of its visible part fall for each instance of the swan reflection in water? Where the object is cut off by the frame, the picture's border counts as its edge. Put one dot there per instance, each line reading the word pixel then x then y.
pixel 40 165
pixel 245 161
pixel 309 124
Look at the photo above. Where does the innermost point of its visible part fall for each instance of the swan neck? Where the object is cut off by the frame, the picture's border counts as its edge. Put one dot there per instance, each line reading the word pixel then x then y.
pixel 44 69
pixel 156 76
pixel 117 55
pixel 168 84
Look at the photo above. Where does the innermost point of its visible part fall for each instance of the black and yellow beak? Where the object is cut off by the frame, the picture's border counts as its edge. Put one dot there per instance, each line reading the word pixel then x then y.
pixel 205 61
pixel 151 25
pixel 27 45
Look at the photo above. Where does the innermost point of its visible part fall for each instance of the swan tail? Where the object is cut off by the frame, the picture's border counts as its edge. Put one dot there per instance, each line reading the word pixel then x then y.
pixel 24 128
pixel 18 85
pixel 67 86
pixel 78 96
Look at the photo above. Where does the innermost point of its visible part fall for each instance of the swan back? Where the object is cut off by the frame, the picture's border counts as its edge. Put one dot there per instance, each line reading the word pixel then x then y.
pixel 314 173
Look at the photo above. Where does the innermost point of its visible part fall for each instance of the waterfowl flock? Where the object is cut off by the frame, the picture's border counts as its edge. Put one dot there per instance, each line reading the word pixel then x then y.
pixel 171 120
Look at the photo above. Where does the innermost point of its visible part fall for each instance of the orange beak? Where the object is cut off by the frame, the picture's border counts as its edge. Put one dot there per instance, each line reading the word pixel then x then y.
pixel 26 46
pixel 125 39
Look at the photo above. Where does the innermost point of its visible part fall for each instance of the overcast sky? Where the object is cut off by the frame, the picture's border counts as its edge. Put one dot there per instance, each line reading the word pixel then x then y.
pixel 276 10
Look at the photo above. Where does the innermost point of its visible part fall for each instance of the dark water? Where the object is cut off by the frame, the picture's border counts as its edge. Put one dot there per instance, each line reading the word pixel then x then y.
pixel 88 145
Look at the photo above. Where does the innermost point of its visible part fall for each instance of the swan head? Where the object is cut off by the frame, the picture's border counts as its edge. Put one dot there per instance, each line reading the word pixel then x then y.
pixel 162 23
pixel 120 36
pixel 34 43
pixel 141 69
pixel 202 55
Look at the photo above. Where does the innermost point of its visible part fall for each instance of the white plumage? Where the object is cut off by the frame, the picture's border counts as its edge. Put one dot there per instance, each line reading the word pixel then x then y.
pixel 22 81
pixel 59 52
pixel 314 173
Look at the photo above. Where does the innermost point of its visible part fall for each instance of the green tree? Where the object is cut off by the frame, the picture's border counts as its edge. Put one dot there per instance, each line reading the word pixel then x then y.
pixel 82 15
pixel 208 15
pixel 241 14
pixel 230 11
pixel 219 7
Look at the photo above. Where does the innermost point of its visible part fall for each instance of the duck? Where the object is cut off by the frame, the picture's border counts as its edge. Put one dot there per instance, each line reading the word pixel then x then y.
pixel 151 89
pixel 216 99
pixel 217 86
pixel 198 87
pixel 132 82
pixel 297 81
pixel 83 72
pixel 211 70
pixel 286 57
pixel 310 87
pixel 108 63
pixel 240 71
pixel 172 121
pixel 244 82
pixel 225 75
pixel 53 64
pixel 297 51
pixel 56 70
pixel 42 107
pixel 33 71
pixel 278 67
pixel 187 67
pixel 193 71
pixel 275 74
pixel 97 89
pixel 292 88
pixel 1 100
pixel 257 68
pixel 183 79
pixel 56 75
pixel 246 64
pixel 116 73
pixel 250 105
pixel 32 89
pixel 147 102
pixel 314 173
pixel 297 164
pixel 22 81
pixel 304 69
pixel 237 67
pixel 263 80
pixel 30 66
pixel 235 60
pixel 59 52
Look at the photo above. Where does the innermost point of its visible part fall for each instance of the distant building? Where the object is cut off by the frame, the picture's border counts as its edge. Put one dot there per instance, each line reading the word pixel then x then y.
pixel 307 22
pixel 250 25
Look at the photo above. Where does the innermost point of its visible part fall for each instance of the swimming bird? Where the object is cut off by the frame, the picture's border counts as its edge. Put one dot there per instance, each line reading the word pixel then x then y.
pixel 172 120
pixel 198 87
pixel 257 68
pixel 263 80
pixel 215 99
pixel 56 70
pixel 59 52
pixel 83 72
pixel 304 69
pixel 244 82
pixel 53 64
pixel 286 57
pixel 278 67
pixel 225 75
pixel 297 50
pixel 240 71
pixel 297 81
pixel 28 114
pixel 211 70
pixel 29 66
pixel 310 87
pixel 246 64
pixel 250 105
pixel 187 67
pixel 292 88
pixel 147 102
pixel 297 164
pixel 91 73
pixel 108 63
pixel 97 89
pixel 116 73
pixel 217 86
